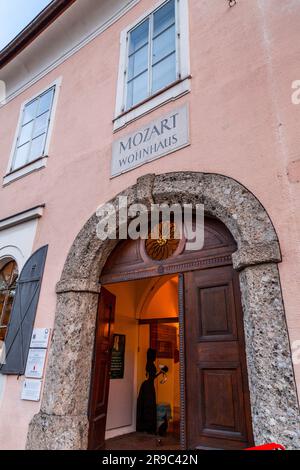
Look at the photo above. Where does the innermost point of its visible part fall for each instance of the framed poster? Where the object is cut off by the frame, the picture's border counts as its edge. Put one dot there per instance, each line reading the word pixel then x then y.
pixel 117 364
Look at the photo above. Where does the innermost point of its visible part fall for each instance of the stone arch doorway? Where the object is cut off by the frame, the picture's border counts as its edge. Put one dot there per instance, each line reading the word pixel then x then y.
pixel 62 422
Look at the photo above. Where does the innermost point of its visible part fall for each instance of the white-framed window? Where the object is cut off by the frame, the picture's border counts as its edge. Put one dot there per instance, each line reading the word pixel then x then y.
pixel 154 61
pixel 33 129
pixel 30 148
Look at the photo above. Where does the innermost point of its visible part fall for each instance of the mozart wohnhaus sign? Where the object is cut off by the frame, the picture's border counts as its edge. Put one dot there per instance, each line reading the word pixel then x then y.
pixel 158 138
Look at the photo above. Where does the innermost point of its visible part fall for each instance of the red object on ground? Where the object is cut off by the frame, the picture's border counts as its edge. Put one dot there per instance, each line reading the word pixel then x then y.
pixel 272 446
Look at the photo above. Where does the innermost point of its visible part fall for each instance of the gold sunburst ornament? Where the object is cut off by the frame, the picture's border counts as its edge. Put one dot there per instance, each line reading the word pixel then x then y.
pixel 162 243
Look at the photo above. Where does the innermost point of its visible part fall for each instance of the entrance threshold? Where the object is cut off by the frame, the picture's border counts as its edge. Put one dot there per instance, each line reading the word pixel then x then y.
pixel 142 441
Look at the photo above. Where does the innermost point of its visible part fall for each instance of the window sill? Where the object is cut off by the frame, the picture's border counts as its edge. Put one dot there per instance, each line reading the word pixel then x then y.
pixel 35 165
pixel 172 92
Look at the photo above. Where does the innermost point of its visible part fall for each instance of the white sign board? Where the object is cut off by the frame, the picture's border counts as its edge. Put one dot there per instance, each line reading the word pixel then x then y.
pixel 40 338
pixel 35 363
pixel 31 390
pixel 158 138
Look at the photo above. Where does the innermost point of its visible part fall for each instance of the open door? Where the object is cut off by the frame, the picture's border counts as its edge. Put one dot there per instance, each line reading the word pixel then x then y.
pixel 217 397
pixel 100 371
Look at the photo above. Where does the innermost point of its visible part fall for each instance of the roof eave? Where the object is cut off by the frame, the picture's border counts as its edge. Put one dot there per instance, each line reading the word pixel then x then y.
pixel 33 29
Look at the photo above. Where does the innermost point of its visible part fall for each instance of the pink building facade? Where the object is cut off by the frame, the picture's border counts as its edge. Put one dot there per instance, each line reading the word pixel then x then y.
pixel 231 73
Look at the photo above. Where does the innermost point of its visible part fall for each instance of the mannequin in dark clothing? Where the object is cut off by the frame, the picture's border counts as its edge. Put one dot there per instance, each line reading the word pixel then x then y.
pixel 146 403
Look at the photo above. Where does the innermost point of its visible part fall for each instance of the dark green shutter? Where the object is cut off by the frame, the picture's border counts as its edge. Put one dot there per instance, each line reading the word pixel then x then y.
pixel 23 313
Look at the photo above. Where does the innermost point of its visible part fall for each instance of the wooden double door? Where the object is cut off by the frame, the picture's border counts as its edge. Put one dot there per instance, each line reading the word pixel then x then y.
pixel 216 397
pixel 101 370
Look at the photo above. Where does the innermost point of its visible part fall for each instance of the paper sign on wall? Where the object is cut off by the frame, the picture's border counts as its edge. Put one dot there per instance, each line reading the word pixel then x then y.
pixel 31 390
pixel 40 338
pixel 35 363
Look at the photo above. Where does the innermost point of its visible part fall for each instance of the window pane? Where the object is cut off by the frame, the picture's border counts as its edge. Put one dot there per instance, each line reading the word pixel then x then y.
pixel 33 129
pixel 26 132
pixel 164 44
pixel 2 300
pixel 137 90
pixel 8 274
pixel 164 17
pixel 3 283
pixel 164 73
pixel 21 156
pixel 138 62
pixel 29 111
pixel 37 147
pixel 3 333
pixel 45 102
pixel 139 36
pixel 40 124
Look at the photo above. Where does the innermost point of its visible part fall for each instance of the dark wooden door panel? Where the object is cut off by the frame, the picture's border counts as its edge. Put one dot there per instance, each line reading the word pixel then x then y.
pixel 100 372
pixel 222 401
pixel 218 408
pixel 209 352
pixel 216 319
pixel 101 383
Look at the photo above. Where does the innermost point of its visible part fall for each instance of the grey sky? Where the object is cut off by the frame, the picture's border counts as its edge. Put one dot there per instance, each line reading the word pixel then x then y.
pixel 15 15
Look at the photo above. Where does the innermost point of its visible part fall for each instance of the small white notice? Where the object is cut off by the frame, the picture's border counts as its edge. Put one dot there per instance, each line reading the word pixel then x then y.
pixel 31 390
pixel 157 139
pixel 40 338
pixel 35 363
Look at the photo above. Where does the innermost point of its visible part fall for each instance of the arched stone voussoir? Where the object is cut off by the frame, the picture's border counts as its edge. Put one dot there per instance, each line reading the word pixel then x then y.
pixel 251 255
pixel 224 198
pixel 88 253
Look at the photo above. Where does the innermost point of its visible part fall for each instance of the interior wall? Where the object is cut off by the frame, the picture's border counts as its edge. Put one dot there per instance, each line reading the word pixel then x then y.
pixel 163 302
pixel 121 405
pixel 164 392
pixel 141 299
pixel 169 392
